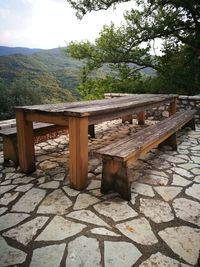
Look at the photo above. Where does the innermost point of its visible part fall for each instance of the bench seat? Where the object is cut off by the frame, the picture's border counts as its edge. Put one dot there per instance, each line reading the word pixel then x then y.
pixel 119 154
pixel 10 139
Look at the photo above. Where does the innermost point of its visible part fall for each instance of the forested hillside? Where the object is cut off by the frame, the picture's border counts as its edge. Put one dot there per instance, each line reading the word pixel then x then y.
pixel 46 76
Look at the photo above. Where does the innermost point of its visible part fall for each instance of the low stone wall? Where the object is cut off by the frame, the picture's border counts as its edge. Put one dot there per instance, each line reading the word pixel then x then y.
pixel 184 102
pixel 190 102
pixel 7 124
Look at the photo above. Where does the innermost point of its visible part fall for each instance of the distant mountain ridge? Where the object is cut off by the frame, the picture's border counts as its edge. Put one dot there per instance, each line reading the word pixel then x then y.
pixel 35 76
pixel 6 51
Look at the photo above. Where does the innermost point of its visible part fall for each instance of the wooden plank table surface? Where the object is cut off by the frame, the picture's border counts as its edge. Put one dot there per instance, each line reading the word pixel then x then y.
pixel 77 116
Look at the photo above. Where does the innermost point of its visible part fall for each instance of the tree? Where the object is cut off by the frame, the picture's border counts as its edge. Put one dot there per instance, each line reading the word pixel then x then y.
pixel 128 48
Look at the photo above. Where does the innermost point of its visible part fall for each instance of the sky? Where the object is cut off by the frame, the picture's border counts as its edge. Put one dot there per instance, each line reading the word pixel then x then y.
pixel 50 23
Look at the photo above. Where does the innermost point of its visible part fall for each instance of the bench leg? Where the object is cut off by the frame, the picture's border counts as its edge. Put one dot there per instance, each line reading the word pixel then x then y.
pixel 190 124
pixel 141 118
pixel 114 177
pixel 128 118
pixel 170 141
pixel 91 131
pixel 10 150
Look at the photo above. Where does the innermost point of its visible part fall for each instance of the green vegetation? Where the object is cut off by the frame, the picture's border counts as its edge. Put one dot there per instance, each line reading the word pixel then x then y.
pixel 43 77
pixel 127 49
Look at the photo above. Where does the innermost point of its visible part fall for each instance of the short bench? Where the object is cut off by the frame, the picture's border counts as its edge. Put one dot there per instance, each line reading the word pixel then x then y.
pixel 10 151
pixel 10 139
pixel 118 155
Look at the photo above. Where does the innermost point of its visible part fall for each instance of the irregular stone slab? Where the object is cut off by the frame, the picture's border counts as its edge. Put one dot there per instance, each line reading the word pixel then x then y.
pixel 161 164
pixel 48 256
pixel 197 179
pixel 196 148
pixel 158 260
pixel 94 184
pixel 116 209
pixel 157 173
pixel 97 193
pixel 23 180
pixel 172 159
pixel 47 165
pixel 9 175
pixel 9 255
pixel 178 180
pixel 24 233
pixel 42 157
pixel 103 231
pixel 184 241
pixel 8 197
pixel 88 252
pixel 52 184
pixel 182 172
pixel 194 191
pixel 187 210
pixel 196 171
pixel 142 189
pixel 2 210
pixel 70 192
pixel 59 229
pixel 188 166
pixel 138 230
pixel 6 182
pixel 24 188
pixel 55 203
pixel 168 192
pixel 87 216
pixel 84 200
pixel 196 159
pixel 183 157
pixel 29 201
pixel 154 180
pixel 157 210
pixel 117 254
pixel 10 219
pixel 6 188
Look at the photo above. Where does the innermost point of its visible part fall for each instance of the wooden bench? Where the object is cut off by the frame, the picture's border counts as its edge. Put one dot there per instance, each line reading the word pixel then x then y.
pixel 10 139
pixel 118 155
pixel 10 151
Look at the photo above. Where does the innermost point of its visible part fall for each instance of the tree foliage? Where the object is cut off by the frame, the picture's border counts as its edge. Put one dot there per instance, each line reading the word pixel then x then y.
pixel 128 48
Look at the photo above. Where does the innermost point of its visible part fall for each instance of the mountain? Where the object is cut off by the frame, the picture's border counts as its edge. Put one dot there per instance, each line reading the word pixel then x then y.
pixel 6 51
pixel 42 76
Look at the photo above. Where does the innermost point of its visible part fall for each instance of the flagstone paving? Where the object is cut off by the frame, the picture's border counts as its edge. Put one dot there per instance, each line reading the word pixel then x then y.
pixel 45 223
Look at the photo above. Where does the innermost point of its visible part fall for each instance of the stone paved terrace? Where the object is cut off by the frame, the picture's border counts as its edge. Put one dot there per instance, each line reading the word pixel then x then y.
pixel 44 223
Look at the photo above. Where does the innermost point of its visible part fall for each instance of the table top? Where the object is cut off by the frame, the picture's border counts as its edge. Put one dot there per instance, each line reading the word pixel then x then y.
pixel 95 107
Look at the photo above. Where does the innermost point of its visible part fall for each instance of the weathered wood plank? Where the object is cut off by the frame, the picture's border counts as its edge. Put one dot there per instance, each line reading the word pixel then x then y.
pixel 89 108
pixel 128 147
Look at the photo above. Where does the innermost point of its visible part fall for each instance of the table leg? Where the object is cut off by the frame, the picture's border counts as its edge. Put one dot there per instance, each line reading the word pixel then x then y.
pixel 141 117
pixel 25 142
pixel 78 152
pixel 91 131
pixel 172 107
pixel 128 118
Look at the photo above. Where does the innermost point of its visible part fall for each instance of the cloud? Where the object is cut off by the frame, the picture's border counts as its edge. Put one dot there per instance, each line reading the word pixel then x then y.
pixel 4 13
pixel 50 23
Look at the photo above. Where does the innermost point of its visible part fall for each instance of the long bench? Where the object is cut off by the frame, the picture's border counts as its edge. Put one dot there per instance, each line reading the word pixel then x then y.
pixel 10 139
pixel 117 156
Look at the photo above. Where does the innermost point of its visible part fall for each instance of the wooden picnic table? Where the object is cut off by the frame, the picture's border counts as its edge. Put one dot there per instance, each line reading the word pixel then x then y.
pixel 77 116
